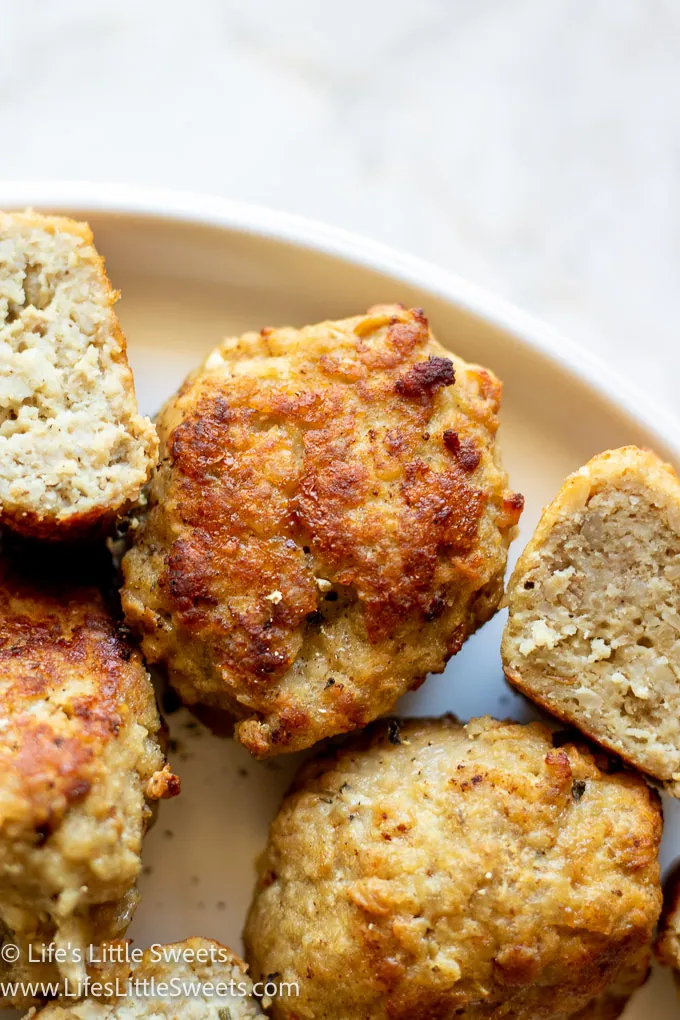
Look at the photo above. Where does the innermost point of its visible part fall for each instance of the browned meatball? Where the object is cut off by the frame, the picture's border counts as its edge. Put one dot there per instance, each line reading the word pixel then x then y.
pixel 329 522
pixel 668 938
pixel 80 763
pixel 430 869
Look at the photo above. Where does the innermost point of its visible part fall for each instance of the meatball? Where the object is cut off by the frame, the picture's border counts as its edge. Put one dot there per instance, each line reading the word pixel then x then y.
pixel 668 938
pixel 594 609
pixel 430 869
pixel 329 522
pixel 80 763
pixel 73 449
pixel 205 981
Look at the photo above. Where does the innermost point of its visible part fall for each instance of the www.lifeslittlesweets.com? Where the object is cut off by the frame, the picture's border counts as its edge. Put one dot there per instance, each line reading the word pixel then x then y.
pixel 148 988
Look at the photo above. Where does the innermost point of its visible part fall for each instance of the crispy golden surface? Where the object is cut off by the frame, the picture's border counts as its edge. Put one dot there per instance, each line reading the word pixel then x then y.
pixel 433 870
pixel 80 759
pixel 328 523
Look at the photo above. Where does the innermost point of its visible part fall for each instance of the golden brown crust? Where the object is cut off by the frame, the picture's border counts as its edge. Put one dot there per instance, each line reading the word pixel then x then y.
pixel 92 526
pixel 480 871
pixel 80 758
pixel 328 523
pixel 54 637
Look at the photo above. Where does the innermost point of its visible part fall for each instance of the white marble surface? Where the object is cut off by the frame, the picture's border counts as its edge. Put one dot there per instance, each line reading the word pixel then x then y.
pixel 530 145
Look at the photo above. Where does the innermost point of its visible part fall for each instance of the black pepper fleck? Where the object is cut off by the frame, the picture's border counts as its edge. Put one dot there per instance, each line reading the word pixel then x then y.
pixel 578 789
pixel 393 734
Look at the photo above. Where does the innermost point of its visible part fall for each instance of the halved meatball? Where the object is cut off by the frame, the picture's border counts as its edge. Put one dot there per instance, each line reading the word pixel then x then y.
pixel 593 631
pixel 74 452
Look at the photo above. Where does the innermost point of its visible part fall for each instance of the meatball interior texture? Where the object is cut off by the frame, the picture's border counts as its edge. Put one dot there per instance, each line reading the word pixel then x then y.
pixel 74 452
pixel 430 869
pixel 190 964
pixel 329 521
pixel 80 762
pixel 593 630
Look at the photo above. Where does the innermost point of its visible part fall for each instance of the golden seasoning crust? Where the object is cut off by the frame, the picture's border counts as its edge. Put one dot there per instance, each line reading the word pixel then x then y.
pixel 64 294
pixel 592 631
pixel 62 654
pixel 328 523
pixel 480 870
pixel 80 758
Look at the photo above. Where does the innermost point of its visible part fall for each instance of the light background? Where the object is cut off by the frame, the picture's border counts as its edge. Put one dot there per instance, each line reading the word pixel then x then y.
pixel 530 145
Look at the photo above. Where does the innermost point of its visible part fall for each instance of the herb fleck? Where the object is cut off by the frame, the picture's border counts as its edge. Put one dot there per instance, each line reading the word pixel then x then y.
pixel 578 789
pixel 393 733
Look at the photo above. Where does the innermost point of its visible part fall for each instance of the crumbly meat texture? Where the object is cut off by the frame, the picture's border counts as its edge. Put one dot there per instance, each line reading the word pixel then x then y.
pixel 80 762
pixel 189 964
pixel 329 522
pixel 430 869
pixel 593 632
pixel 74 452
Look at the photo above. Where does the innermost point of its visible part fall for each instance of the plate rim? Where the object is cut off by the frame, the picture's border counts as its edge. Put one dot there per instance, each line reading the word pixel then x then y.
pixel 204 209
pixel 200 209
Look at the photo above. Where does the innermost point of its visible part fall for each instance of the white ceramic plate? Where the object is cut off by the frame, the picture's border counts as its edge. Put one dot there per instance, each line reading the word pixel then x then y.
pixel 193 269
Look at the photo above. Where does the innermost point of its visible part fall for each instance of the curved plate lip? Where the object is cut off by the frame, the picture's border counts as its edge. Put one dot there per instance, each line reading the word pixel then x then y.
pixel 84 197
